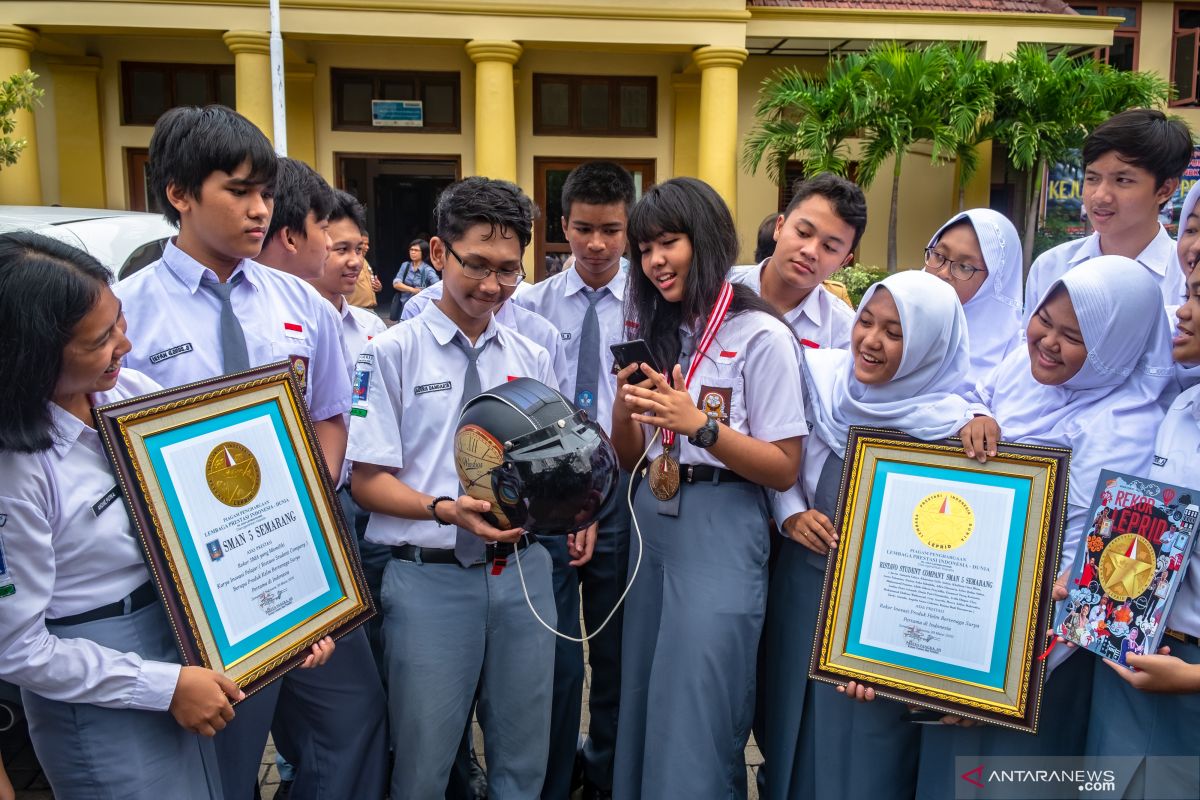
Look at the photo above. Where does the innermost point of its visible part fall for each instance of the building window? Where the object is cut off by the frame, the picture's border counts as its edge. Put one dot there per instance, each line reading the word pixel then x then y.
pixel 147 90
pixel 1123 54
pixel 354 89
pixel 1184 58
pixel 594 105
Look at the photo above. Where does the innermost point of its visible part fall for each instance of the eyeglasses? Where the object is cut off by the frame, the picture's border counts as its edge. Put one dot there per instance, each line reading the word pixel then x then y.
pixel 505 277
pixel 934 261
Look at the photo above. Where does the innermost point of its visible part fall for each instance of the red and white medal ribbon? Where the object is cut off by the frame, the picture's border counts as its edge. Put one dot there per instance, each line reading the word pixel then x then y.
pixel 715 318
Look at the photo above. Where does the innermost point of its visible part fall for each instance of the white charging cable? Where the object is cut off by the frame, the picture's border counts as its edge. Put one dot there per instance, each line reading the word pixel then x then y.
pixel 636 564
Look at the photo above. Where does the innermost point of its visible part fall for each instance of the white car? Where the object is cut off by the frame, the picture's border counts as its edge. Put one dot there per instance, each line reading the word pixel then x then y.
pixel 123 241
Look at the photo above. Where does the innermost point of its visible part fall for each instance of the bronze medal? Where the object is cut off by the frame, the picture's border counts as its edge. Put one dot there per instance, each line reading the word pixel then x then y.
pixel 664 477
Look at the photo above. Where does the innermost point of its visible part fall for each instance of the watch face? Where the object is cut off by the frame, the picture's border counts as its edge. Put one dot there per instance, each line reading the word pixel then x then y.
pixel 476 454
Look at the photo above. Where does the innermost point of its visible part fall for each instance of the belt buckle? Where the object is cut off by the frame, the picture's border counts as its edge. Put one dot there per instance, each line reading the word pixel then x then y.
pixel 691 472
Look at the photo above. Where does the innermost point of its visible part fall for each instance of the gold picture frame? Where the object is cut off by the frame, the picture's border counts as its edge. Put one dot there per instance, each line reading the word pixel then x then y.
pixel 244 536
pixel 939 591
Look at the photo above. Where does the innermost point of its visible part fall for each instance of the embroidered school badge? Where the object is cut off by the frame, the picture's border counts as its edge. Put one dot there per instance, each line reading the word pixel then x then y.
pixel 715 401
pixel 300 367
pixel 7 587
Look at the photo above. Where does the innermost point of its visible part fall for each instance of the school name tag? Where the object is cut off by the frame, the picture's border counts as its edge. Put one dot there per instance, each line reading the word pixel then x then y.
pixel 171 352
pixel 103 503
pixel 444 386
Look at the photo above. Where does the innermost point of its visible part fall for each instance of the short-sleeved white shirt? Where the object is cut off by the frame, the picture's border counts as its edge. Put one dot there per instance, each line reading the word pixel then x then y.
pixel 406 413
pixel 561 300
pixel 752 370
pixel 174 325
pixel 822 320
pixel 1176 456
pixel 525 322
pixel 67 546
pixel 1159 257
pixel 359 326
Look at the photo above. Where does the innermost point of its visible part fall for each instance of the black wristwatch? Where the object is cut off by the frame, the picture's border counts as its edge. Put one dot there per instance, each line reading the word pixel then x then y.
pixel 706 436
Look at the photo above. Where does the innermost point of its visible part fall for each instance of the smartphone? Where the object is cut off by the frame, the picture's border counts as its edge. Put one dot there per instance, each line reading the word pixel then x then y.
pixel 635 352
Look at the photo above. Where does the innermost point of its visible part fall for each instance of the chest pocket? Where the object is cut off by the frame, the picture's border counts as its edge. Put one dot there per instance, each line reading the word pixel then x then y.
pixel 721 391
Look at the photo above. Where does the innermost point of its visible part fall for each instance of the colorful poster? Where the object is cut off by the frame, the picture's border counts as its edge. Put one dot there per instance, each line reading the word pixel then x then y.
pixel 1129 565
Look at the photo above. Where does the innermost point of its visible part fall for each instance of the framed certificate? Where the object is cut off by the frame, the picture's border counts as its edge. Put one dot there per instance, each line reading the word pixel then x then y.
pixel 232 501
pixel 939 592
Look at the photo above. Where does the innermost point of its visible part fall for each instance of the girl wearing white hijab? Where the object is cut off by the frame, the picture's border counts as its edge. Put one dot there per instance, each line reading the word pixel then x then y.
pixel 1097 359
pixel 978 252
pixel 1188 251
pixel 908 354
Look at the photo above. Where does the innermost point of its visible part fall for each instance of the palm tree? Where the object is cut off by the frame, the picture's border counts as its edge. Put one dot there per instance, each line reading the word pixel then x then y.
pixel 1046 106
pixel 909 89
pixel 971 109
pixel 808 117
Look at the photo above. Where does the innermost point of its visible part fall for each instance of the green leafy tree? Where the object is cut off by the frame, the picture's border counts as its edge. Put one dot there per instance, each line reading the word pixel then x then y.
pixel 971 110
pixel 908 88
pixel 18 93
pixel 1046 106
pixel 808 118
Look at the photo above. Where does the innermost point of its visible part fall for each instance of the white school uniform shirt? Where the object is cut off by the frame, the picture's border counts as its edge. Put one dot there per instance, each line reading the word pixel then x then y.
pixel 66 547
pixel 525 322
pixel 751 375
pixel 1176 454
pixel 822 320
pixel 561 301
pixel 359 326
pixel 1159 257
pixel 174 325
pixel 407 417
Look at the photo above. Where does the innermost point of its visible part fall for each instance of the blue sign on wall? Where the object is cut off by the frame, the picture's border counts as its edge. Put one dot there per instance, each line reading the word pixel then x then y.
pixel 397 113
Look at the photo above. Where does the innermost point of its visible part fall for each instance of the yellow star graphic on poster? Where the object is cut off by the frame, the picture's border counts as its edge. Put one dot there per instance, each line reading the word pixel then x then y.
pixel 1126 566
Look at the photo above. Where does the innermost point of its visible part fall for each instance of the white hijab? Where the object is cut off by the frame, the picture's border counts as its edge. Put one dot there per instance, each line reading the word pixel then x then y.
pixel 921 399
pixel 994 313
pixel 1108 412
pixel 1186 375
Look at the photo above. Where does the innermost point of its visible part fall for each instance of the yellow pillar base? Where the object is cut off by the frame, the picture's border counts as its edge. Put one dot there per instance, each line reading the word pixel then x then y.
pixel 21 183
pixel 717 161
pixel 495 108
pixel 252 76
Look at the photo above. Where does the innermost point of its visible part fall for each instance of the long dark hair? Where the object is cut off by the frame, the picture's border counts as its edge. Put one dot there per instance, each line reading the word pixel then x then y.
pixel 46 288
pixel 692 207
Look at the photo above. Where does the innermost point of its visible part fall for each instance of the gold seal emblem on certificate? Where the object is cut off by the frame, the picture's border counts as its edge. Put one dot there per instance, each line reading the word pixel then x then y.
pixel 232 473
pixel 476 454
pixel 943 521
pixel 1126 566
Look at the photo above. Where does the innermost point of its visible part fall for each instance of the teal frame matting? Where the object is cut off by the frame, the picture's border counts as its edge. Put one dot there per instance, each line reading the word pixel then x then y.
pixel 194 554
pixel 1021 486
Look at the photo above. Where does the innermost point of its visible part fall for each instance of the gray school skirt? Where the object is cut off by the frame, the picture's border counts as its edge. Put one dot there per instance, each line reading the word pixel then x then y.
pixel 94 753
pixel 690 640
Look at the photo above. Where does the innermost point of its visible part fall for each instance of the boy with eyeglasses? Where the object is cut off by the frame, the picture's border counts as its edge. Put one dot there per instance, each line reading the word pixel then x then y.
pixel 454 617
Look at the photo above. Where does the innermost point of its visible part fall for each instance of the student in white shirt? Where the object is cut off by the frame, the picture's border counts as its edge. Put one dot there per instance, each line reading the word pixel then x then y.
pixel 733 426
pixel 346 226
pixel 596 199
pixel 1159 703
pixel 111 711
pixel 454 616
pixel 215 175
pixel 907 359
pixel 814 237
pixel 1095 362
pixel 297 240
pixel 1132 163
pixel 978 252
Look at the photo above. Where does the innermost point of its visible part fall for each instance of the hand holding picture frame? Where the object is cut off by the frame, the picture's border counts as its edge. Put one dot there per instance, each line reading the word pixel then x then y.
pixel 939 592
pixel 244 537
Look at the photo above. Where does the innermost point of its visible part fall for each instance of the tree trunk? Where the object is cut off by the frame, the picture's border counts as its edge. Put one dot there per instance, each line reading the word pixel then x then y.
pixel 891 255
pixel 1031 214
pixel 962 197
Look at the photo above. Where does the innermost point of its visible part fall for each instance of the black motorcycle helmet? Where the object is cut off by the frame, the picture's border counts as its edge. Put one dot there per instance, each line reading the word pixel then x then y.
pixel 543 465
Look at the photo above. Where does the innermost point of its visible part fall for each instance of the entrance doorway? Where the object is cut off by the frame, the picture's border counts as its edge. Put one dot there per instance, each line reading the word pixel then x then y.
pixel 399 193
pixel 550 246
